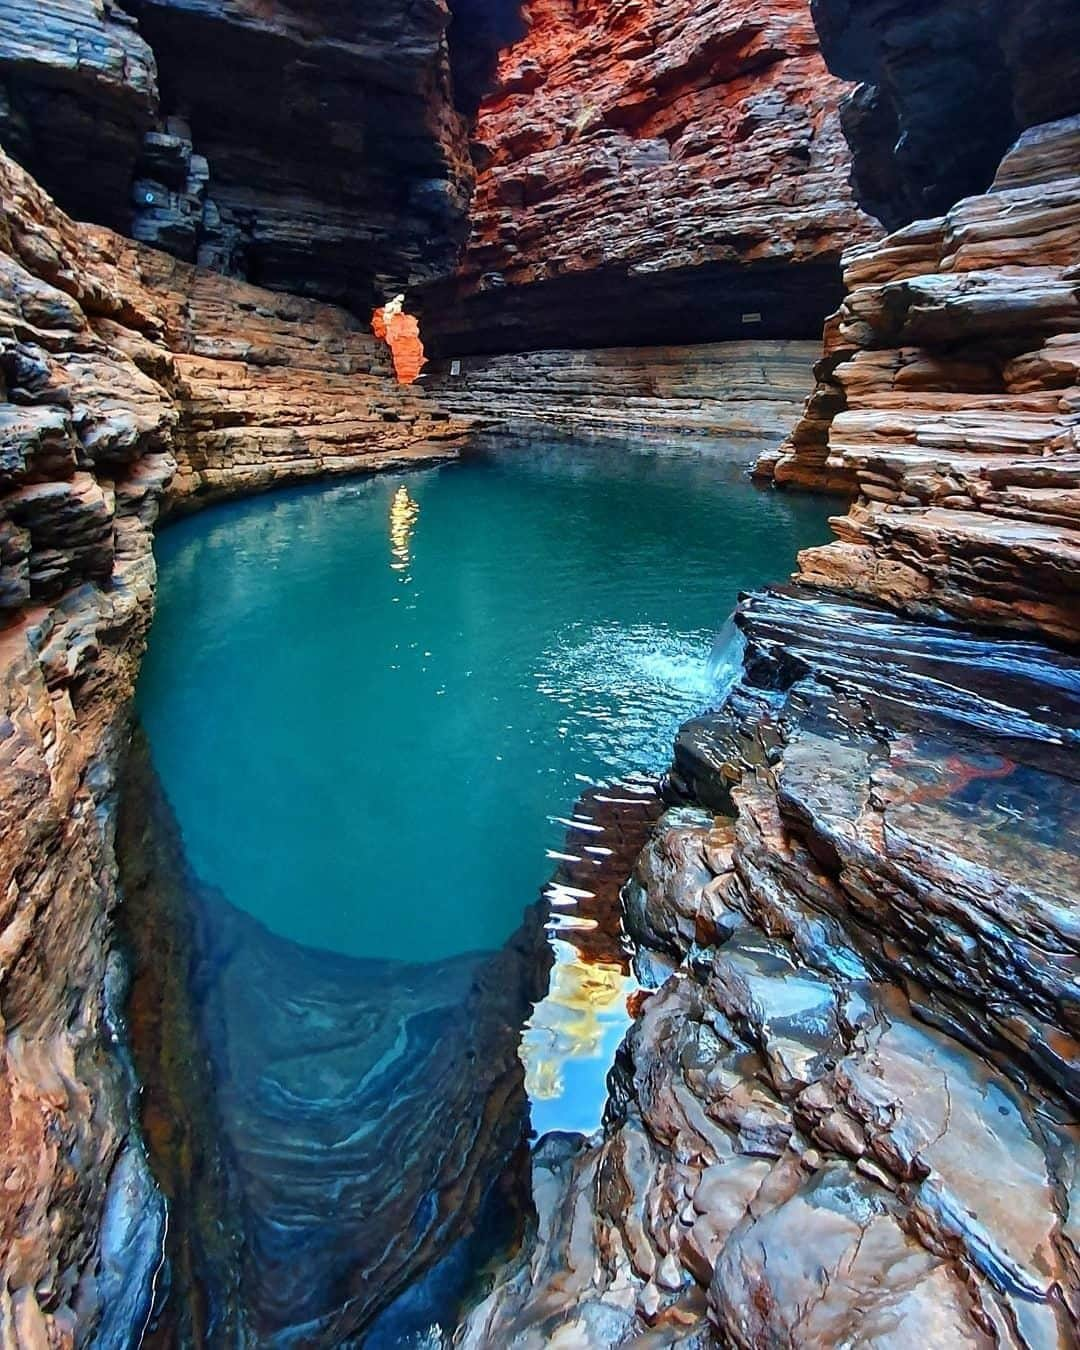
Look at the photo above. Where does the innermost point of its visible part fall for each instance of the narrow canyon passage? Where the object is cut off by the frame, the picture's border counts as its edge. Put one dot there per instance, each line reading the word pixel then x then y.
pixel 393 694
pixel 539 674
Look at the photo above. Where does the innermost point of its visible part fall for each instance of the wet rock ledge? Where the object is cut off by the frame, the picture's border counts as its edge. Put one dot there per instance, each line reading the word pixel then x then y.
pixel 848 1115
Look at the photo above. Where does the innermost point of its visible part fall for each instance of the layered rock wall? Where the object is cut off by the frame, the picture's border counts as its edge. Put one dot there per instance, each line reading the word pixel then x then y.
pixel 745 390
pixel 848 1114
pixel 651 173
pixel 78 88
pixel 120 370
pixel 348 178
pixel 949 394
pixel 647 173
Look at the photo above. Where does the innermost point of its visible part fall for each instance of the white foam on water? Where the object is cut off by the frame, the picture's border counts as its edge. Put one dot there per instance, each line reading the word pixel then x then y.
pixel 725 662
pixel 627 690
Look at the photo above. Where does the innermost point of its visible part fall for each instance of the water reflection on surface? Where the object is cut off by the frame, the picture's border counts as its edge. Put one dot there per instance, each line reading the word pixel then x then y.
pixel 376 770
pixel 362 1144
pixel 578 1025
pixel 571 1036
pixel 404 513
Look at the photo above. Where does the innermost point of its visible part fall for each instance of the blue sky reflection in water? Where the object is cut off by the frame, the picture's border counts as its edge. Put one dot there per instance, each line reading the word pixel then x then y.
pixel 369 702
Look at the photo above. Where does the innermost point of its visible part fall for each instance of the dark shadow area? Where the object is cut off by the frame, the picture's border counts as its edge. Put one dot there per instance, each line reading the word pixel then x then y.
pixel 333 162
pixel 614 308
pixel 479 30
pixel 945 88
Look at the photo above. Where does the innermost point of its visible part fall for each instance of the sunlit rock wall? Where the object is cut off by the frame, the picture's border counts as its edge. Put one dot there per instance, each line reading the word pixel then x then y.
pixel 120 370
pixel 401 333
pixel 650 173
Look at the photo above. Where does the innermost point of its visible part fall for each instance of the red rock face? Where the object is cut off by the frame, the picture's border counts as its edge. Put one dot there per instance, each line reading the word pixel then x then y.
pixel 610 121
pixel 651 137
pixel 401 333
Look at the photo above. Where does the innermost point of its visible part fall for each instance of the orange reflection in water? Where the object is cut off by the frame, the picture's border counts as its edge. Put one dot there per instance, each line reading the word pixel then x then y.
pixel 404 513
pixel 570 1040
pixel 584 1000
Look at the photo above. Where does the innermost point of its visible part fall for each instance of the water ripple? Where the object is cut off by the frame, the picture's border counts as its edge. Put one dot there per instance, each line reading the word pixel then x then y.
pixel 626 689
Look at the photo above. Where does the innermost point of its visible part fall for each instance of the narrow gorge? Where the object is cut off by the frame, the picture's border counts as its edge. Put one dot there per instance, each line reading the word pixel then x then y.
pixel 540 568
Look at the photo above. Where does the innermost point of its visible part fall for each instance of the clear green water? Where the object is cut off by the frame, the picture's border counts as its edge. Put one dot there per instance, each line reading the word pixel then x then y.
pixel 370 703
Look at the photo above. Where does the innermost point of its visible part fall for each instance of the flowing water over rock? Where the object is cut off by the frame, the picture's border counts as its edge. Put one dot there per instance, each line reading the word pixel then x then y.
pixel 383 714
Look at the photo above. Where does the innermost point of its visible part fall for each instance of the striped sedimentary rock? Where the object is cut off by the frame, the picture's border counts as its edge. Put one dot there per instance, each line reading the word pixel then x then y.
pixel 949 396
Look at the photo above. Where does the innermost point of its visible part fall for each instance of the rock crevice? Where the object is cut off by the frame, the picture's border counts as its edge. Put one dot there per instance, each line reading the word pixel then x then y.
pixel 846 1110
